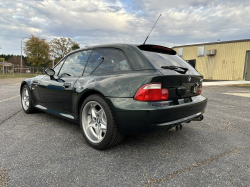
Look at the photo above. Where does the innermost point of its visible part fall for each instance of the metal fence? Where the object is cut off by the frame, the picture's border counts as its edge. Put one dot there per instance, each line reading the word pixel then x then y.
pixel 8 69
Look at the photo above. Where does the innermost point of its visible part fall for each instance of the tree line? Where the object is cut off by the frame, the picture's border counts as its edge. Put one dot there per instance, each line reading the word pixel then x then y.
pixel 5 58
pixel 41 52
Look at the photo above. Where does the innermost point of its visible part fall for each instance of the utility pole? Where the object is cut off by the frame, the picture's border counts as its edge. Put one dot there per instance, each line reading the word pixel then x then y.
pixel 3 68
pixel 21 56
pixel 53 62
pixel 3 62
pixel 53 58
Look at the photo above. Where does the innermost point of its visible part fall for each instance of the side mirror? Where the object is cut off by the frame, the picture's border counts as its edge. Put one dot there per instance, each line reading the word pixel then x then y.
pixel 50 72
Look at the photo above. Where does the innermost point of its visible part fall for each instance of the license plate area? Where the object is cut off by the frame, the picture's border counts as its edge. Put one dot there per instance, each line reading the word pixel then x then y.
pixel 185 100
pixel 194 89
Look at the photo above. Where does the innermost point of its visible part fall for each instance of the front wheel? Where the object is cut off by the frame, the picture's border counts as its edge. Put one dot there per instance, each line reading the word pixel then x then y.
pixel 98 124
pixel 26 100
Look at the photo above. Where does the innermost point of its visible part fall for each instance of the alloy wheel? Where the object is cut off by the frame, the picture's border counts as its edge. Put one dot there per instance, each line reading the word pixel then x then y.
pixel 94 121
pixel 25 99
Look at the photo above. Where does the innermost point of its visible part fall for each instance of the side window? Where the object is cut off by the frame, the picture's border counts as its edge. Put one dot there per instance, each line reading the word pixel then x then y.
pixel 75 63
pixel 110 60
pixel 58 67
pixel 94 60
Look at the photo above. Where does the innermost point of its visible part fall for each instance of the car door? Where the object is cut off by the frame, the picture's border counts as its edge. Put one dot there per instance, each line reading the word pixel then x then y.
pixel 56 93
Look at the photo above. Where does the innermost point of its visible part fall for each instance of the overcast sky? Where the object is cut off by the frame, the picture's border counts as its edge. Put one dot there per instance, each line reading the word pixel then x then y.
pixel 91 22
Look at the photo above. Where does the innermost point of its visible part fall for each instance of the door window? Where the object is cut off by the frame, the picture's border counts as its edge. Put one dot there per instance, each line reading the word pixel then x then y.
pixel 75 63
pixel 58 67
pixel 107 60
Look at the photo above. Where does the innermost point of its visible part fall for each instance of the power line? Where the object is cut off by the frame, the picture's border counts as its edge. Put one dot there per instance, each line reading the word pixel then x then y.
pixel 11 36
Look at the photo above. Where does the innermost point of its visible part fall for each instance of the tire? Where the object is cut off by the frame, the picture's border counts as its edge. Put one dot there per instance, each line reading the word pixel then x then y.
pixel 98 125
pixel 26 100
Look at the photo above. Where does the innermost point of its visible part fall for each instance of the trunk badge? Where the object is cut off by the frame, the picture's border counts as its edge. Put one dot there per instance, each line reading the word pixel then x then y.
pixel 189 79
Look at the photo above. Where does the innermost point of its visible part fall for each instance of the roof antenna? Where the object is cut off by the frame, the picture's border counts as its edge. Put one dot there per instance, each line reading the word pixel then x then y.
pixel 152 29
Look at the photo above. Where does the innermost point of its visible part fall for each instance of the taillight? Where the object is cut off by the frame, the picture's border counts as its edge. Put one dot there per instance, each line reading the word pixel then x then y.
pixel 151 92
pixel 200 89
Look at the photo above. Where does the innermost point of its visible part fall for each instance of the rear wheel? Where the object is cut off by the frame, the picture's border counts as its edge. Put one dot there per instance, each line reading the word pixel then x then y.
pixel 98 124
pixel 26 100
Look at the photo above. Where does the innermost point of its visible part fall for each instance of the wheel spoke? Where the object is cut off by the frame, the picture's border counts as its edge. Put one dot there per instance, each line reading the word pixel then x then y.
pixel 100 113
pixel 93 112
pixel 100 133
pixel 97 130
pixel 93 132
pixel 26 92
pixel 103 126
pixel 92 123
pixel 104 118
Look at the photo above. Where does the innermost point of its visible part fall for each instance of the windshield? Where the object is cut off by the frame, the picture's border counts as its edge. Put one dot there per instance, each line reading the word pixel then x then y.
pixel 158 60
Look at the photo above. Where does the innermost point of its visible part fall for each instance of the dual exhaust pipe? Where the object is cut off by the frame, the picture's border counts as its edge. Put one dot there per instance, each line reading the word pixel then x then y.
pixel 179 126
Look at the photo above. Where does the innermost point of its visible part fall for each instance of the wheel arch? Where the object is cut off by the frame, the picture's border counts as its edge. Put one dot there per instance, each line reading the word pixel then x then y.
pixel 22 85
pixel 84 96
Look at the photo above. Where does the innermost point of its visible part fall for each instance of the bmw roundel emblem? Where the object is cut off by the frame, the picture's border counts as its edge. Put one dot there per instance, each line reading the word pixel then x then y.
pixel 189 79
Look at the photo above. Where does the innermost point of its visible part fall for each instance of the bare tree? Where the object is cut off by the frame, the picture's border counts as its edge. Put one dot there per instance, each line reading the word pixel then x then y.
pixel 62 46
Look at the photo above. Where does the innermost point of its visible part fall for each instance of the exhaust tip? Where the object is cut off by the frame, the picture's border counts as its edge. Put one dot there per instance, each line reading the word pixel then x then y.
pixel 174 128
pixel 199 118
pixel 180 127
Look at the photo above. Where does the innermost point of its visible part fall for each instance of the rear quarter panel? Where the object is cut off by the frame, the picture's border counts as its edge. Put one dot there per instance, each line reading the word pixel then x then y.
pixel 118 85
pixel 123 85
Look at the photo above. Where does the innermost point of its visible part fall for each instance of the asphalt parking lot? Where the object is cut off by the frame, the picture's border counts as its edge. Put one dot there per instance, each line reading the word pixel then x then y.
pixel 43 150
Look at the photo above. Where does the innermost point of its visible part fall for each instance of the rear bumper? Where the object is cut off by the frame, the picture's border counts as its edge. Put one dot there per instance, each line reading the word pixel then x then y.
pixel 144 117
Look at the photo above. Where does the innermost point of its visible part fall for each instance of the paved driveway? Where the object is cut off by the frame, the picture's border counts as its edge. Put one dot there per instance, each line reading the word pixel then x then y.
pixel 44 150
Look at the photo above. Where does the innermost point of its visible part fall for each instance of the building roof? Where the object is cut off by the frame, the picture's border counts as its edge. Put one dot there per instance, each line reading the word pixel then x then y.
pixel 6 63
pixel 211 43
pixel 15 60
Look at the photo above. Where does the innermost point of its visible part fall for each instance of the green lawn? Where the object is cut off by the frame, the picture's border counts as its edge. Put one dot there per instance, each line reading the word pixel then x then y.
pixel 17 75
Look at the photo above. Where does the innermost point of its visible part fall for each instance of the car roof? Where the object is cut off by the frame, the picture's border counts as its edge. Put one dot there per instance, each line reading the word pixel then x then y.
pixel 117 45
pixel 136 58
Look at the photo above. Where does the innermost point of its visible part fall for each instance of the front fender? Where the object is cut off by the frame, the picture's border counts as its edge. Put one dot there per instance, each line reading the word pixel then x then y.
pixel 26 81
pixel 34 91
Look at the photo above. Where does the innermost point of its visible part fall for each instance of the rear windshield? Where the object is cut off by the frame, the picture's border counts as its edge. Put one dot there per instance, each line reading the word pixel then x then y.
pixel 158 60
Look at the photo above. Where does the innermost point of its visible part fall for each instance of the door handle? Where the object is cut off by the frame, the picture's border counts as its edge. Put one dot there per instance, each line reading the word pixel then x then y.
pixel 35 82
pixel 66 85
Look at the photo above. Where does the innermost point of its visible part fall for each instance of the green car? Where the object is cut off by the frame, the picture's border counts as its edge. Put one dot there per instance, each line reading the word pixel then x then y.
pixel 118 89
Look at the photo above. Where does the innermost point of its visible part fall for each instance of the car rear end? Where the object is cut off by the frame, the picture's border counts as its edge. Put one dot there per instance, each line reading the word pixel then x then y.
pixel 169 101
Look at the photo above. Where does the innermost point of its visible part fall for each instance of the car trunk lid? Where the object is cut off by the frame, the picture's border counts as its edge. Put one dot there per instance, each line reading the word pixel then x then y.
pixel 181 79
pixel 182 86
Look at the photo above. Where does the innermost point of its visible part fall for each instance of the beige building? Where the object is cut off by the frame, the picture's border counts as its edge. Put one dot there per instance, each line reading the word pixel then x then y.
pixel 229 60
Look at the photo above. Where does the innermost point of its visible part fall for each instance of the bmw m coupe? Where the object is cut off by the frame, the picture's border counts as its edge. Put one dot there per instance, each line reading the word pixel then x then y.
pixel 118 89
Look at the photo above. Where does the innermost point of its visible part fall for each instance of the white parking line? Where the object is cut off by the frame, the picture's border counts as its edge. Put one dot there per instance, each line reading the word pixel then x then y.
pixel 10 98
pixel 239 94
